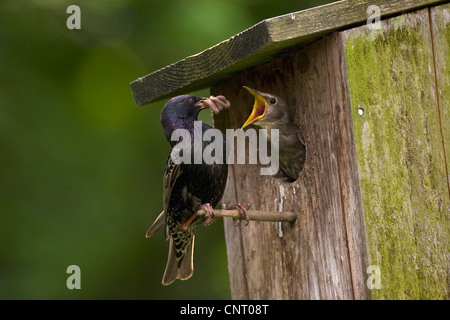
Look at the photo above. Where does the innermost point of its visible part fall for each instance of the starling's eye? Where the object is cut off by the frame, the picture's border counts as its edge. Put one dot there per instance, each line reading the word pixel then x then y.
pixel 191 100
pixel 272 101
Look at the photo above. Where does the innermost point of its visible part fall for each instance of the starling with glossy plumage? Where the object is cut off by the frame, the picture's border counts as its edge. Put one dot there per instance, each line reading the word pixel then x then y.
pixel 188 187
pixel 271 112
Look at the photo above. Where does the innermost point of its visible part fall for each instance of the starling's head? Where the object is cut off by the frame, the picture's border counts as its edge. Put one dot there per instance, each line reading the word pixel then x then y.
pixel 180 112
pixel 269 110
pixel 183 107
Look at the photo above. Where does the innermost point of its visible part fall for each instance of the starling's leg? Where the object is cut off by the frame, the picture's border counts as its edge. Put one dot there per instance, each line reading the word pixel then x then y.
pixel 189 221
pixel 210 216
pixel 242 212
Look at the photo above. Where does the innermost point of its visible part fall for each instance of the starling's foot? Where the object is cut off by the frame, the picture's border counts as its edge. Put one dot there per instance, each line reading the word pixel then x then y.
pixel 242 212
pixel 210 216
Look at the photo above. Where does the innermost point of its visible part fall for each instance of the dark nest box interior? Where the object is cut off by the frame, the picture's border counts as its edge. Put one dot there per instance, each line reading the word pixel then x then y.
pixel 373 102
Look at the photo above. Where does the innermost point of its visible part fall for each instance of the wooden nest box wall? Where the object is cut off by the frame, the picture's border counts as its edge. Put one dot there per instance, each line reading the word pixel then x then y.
pixel 373 199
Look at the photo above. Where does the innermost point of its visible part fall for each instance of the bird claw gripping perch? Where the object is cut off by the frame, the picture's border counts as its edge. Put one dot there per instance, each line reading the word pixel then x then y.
pixel 242 208
pixel 210 216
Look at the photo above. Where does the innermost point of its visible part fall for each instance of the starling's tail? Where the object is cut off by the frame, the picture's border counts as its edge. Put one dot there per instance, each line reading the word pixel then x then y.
pixel 181 267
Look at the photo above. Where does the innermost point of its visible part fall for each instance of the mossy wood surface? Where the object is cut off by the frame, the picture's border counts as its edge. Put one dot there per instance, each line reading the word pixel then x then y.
pixel 258 44
pixel 397 114
pixel 440 17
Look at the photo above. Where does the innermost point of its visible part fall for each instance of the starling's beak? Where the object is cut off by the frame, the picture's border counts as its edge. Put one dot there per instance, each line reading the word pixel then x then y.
pixel 259 107
pixel 201 104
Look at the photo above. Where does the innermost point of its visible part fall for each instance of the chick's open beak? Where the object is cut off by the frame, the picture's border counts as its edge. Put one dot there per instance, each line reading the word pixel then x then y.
pixel 259 107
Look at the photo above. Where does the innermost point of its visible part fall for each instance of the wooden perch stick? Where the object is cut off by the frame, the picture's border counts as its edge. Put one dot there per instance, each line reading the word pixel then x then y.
pixel 255 215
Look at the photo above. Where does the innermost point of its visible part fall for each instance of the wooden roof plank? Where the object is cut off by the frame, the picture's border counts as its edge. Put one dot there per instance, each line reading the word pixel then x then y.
pixel 259 44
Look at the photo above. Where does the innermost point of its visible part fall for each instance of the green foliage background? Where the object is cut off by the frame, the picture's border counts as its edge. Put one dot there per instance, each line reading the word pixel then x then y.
pixel 80 165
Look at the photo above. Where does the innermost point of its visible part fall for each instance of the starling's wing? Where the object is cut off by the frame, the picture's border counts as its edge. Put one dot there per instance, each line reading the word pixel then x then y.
pixel 173 171
pixel 159 222
pixel 292 152
pixel 301 137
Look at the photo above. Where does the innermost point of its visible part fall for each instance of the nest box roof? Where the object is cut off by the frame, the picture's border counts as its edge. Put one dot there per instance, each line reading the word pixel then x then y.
pixel 258 44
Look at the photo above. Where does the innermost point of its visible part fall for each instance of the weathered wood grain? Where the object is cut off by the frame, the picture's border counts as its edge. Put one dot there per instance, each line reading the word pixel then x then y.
pixel 258 44
pixel 312 258
pixel 349 180
pixel 440 20
pixel 400 153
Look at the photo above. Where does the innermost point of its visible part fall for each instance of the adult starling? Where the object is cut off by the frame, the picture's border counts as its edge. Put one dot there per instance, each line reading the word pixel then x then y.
pixel 271 112
pixel 188 187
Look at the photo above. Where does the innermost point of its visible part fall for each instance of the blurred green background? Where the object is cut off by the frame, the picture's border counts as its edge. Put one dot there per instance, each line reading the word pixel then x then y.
pixel 80 165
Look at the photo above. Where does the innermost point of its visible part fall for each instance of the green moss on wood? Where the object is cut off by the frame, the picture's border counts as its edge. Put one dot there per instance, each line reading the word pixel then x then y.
pixel 399 147
pixel 441 32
